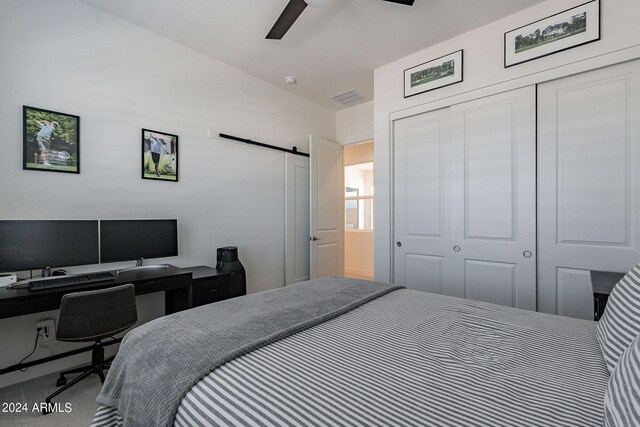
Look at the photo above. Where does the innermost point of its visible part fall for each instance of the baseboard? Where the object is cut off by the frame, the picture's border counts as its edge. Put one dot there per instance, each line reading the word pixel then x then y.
pixel 359 273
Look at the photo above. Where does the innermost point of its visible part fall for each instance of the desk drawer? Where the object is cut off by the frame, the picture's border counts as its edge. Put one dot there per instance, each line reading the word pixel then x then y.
pixel 210 289
pixel 160 284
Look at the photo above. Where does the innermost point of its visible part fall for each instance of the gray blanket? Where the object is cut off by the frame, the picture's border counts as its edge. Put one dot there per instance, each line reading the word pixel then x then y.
pixel 159 362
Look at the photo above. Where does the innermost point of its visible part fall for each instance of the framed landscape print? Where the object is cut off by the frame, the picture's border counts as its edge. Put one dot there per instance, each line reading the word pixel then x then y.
pixel 562 31
pixel 437 73
pixel 51 141
pixel 159 155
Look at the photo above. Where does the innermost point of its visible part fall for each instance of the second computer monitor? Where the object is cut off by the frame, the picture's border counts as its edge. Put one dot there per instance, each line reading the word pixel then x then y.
pixel 128 240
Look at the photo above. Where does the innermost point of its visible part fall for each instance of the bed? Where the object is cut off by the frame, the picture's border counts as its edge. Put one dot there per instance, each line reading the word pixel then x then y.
pixel 346 352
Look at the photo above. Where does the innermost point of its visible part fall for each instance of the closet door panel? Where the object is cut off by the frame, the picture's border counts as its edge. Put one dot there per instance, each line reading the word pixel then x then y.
pixel 488 157
pixel 423 179
pixel 491 281
pixel 493 199
pixel 421 229
pixel 588 191
pixel 424 272
pixel 591 165
pixel 575 298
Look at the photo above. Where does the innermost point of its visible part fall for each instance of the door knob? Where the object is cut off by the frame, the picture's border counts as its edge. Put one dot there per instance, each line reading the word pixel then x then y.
pixel 456 248
pixel 314 238
pixel 399 244
pixel 527 254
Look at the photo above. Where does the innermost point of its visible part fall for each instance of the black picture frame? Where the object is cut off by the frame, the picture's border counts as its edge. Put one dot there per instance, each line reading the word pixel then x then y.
pixel 456 77
pixel 50 140
pixel 166 166
pixel 510 59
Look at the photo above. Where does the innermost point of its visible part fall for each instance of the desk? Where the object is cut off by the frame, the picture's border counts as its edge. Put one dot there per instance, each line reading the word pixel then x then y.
pixel 173 281
pixel 176 283
pixel 211 285
pixel 602 283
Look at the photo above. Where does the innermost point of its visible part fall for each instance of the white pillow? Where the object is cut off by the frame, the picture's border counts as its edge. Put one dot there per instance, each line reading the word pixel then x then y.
pixel 620 323
pixel 622 398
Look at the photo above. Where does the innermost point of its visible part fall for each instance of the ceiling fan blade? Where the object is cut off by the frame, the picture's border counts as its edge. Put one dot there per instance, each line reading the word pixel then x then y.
pixel 407 2
pixel 288 16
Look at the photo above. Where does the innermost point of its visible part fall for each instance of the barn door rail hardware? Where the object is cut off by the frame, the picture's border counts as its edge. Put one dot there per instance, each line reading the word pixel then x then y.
pixel 261 144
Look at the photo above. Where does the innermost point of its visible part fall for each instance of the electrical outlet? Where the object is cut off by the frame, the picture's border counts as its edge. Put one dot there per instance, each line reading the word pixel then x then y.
pixel 48 329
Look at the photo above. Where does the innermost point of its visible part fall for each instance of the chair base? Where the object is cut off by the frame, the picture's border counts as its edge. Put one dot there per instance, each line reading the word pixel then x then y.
pixel 98 366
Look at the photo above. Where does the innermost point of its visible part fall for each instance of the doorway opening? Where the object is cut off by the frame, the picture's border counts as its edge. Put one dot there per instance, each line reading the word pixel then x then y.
pixel 358 211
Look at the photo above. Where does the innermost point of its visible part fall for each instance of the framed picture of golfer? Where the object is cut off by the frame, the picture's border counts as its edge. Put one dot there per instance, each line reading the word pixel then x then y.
pixel 51 141
pixel 159 155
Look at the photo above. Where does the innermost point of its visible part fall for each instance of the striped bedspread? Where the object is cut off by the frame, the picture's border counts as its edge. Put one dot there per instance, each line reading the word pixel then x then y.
pixel 411 359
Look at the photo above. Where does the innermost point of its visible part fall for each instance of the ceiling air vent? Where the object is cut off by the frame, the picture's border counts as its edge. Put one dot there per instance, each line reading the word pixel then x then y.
pixel 348 98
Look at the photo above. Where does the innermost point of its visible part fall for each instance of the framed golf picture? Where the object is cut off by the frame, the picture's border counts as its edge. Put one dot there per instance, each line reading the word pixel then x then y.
pixel 434 74
pixel 159 155
pixel 556 33
pixel 51 141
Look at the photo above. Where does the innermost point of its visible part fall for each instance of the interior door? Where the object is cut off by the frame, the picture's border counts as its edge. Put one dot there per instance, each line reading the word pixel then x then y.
pixel 297 219
pixel 493 199
pixel 327 211
pixel 588 183
pixel 421 214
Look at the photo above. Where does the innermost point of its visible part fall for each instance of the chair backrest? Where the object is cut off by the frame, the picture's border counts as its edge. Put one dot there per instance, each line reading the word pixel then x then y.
pixel 93 315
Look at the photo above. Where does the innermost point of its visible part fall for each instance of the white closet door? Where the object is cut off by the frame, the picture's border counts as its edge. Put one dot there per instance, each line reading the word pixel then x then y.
pixel 493 199
pixel 421 201
pixel 588 183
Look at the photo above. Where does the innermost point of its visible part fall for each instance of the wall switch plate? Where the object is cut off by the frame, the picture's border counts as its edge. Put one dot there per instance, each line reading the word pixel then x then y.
pixel 48 331
pixel 212 133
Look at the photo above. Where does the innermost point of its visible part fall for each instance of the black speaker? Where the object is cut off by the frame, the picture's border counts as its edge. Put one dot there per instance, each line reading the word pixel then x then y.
pixel 227 261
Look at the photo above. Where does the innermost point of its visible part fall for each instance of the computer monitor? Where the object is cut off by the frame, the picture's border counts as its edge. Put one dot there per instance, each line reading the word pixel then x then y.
pixel 128 240
pixel 31 245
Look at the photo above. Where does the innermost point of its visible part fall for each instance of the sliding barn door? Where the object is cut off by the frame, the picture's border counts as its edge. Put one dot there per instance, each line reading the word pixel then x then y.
pixel 493 199
pixel 422 252
pixel 297 220
pixel 588 183
pixel 327 208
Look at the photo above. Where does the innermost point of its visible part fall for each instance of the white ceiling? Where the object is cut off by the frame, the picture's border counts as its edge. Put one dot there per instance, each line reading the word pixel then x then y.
pixel 329 50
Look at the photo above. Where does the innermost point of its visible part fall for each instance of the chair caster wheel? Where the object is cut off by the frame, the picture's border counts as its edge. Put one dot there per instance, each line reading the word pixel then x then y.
pixel 61 381
pixel 46 410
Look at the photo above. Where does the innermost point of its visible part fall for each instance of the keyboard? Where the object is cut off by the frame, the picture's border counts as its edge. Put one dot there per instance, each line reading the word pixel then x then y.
pixel 65 281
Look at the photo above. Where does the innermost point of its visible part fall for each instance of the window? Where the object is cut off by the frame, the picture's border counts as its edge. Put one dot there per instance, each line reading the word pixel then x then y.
pixel 358 196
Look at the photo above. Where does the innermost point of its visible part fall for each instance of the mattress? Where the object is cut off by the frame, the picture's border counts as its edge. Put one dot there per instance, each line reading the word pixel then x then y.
pixel 413 359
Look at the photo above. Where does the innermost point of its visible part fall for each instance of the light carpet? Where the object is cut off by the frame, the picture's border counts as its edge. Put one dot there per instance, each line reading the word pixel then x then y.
pixel 81 400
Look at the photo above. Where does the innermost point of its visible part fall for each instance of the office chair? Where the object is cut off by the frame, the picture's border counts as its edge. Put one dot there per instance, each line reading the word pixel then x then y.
pixel 93 316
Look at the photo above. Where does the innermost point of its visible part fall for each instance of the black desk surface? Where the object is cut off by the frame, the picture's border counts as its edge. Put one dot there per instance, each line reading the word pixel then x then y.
pixel 203 271
pixel 602 282
pixel 14 302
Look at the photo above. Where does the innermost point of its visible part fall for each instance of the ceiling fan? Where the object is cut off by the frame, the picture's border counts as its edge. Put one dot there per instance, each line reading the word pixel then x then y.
pixel 294 8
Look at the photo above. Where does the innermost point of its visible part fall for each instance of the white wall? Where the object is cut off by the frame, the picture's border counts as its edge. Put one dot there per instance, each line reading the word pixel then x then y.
pixel 67 56
pixel 355 124
pixel 484 74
